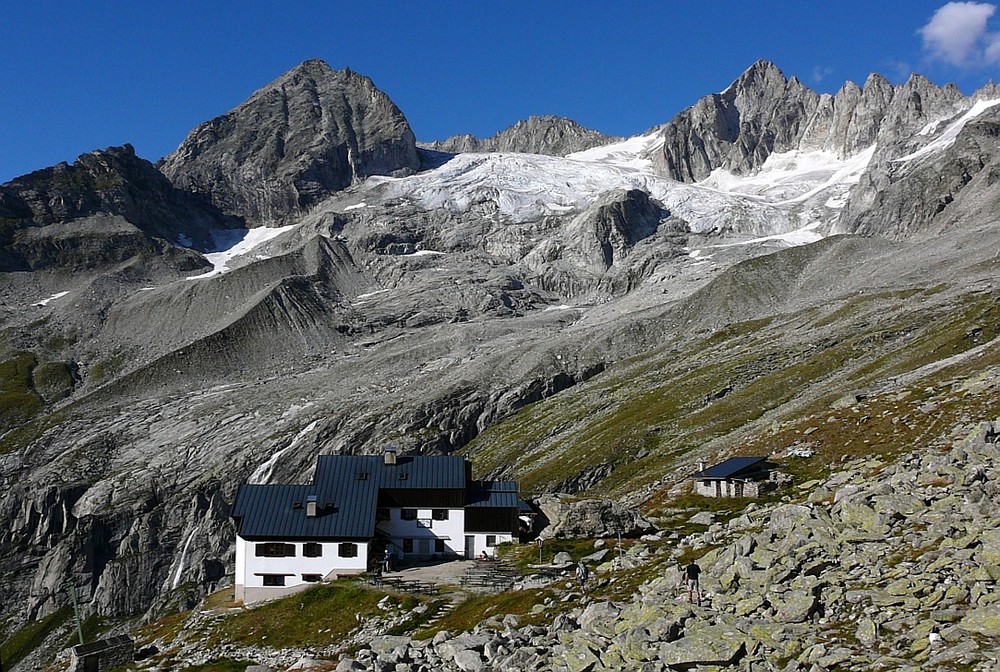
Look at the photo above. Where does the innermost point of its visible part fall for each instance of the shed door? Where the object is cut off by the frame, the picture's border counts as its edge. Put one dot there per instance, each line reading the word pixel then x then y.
pixel 470 547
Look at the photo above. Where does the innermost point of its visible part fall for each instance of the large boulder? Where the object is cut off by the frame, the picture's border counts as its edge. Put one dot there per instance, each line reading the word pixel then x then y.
pixel 711 645
pixel 588 518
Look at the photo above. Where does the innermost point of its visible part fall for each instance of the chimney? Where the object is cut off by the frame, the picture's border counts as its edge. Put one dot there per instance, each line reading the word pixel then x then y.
pixel 390 454
pixel 311 506
pixel 701 465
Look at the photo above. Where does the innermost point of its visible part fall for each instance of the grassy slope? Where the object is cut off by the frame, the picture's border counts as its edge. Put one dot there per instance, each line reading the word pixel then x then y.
pixel 732 390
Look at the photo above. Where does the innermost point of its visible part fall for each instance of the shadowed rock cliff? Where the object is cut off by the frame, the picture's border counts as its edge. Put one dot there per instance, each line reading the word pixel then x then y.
pixel 107 207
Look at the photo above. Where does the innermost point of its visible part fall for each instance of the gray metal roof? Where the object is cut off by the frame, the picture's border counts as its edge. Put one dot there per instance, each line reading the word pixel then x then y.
pixel 499 494
pixel 346 488
pixel 733 468
pixel 278 512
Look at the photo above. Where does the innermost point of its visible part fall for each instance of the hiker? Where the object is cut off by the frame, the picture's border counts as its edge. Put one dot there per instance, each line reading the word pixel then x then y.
pixel 387 561
pixel 691 574
pixel 581 575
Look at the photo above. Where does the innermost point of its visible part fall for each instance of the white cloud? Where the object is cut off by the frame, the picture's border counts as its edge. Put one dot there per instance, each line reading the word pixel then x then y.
pixel 957 34
pixel 820 72
pixel 992 52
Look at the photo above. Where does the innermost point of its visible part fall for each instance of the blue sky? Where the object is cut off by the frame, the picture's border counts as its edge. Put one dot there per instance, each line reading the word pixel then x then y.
pixel 86 75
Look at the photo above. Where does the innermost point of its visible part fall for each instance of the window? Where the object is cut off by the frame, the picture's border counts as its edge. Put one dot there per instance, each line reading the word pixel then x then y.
pixel 312 550
pixel 491 540
pixel 439 546
pixel 347 550
pixel 362 475
pixel 407 545
pixel 439 514
pixel 274 550
pixel 312 578
pixel 273 579
pixel 408 514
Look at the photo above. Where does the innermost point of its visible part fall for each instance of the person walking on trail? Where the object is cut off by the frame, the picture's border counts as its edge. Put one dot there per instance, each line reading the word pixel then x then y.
pixel 691 574
pixel 581 575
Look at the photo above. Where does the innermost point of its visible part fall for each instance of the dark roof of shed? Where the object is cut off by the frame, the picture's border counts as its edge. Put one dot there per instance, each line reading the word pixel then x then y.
pixel 733 467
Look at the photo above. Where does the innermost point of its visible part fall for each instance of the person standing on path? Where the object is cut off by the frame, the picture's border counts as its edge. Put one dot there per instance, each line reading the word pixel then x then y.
pixel 691 574
pixel 581 575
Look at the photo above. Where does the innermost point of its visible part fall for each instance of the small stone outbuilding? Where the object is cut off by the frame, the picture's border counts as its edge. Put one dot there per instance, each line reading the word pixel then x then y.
pixel 735 477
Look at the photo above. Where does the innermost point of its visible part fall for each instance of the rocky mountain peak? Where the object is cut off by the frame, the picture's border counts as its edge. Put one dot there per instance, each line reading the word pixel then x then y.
pixel 311 132
pixel 759 76
pixel 762 112
pixel 547 134
pixel 989 91
pixel 877 81
pixel 759 113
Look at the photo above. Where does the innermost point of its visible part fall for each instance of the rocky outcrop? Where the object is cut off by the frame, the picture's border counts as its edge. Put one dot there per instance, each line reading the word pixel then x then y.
pixel 311 132
pixel 109 206
pixel 590 518
pixel 553 136
pixel 112 556
pixel 849 121
pixel 578 257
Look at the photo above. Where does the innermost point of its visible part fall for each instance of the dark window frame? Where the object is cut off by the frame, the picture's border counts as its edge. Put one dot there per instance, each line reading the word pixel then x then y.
pixel 491 540
pixel 439 514
pixel 312 578
pixel 274 549
pixel 273 580
pixel 439 546
pixel 312 549
pixel 407 514
pixel 347 549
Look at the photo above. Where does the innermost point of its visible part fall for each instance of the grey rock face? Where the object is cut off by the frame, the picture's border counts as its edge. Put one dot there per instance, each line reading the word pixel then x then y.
pixel 553 136
pixel 311 132
pixel 958 187
pixel 849 121
pixel 761 112
pixel 107 207
pixel 579 256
